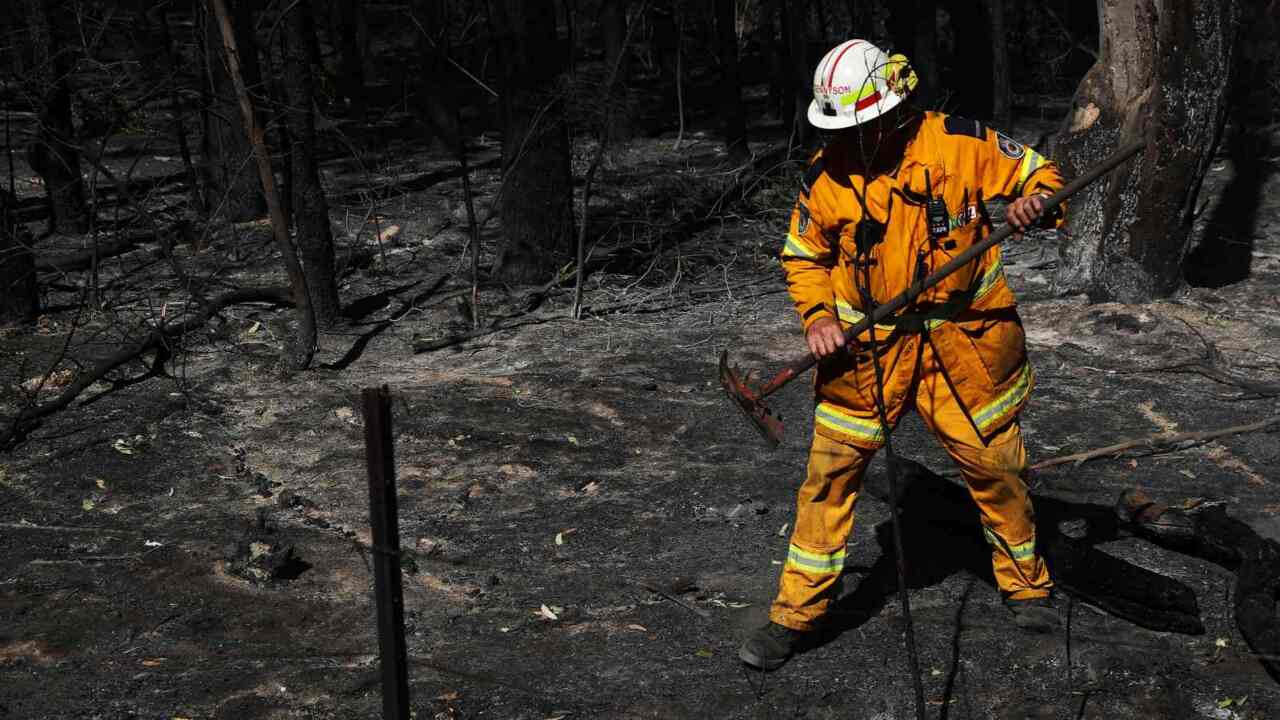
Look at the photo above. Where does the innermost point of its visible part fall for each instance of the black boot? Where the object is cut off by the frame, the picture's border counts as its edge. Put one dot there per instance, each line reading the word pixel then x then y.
pixel 1039 615
pixel 769 646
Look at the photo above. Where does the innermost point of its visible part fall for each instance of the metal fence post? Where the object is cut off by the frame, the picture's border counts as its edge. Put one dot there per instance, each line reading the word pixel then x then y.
pixel 386 552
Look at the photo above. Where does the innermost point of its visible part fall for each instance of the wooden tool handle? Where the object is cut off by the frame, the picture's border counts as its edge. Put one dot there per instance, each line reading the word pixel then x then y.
pixel 800 364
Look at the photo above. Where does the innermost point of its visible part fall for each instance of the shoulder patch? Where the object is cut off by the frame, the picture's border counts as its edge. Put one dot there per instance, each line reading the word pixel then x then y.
pixel 954 125
pixel 812 174
pixel 1011 148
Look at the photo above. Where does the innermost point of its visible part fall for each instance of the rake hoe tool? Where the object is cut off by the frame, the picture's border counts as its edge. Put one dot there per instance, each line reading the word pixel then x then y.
pixel 751 401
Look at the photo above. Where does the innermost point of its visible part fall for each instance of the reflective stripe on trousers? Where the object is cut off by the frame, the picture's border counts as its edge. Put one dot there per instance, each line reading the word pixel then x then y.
pixel 825 510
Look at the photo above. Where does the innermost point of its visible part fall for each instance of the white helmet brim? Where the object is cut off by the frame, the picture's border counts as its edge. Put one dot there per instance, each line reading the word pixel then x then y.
pixel 823 121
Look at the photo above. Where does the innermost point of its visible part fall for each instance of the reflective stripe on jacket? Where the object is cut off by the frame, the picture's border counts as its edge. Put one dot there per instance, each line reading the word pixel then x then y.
pixel 982 346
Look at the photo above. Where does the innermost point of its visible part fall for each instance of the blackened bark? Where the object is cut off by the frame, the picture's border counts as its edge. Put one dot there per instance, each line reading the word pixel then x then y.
pixel 310 211
pixel 19 300
pixel 231 184
pixel 280 137
pixel 1163 75
pixel 53 154
pixel 732 113
pixel 536 197
pixel 1224 254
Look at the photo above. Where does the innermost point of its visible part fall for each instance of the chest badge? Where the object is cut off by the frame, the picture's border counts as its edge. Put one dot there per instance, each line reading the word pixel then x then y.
pixel 1011 148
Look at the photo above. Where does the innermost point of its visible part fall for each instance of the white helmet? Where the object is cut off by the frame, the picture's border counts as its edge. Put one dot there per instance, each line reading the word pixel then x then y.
pixel 856 82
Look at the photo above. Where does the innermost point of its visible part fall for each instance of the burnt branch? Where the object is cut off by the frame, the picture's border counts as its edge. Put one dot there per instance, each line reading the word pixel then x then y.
pixel 156 340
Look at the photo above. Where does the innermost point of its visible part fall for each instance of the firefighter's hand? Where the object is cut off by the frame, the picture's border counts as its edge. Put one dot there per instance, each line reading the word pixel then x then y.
pixel 824 337
pixel 1023 213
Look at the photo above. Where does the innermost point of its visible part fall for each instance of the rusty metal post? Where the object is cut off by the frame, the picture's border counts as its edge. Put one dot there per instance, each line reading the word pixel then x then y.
pixel 386 552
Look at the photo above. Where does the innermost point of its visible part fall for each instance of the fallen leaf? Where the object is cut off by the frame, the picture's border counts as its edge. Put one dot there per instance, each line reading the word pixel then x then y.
pixel 572 440
pixel 448 696
pixel 738 605
pixel 153 543
pixel 638 628
pixel 1222 642
pixel 122 446
pixel 782 531
pixel 152 662
pixel 590 488
pixel 545 612
pixel 1188 473
pixel 560 535
pixel 703 653
pixel 102 484
pixel 87 505
pixel 253 329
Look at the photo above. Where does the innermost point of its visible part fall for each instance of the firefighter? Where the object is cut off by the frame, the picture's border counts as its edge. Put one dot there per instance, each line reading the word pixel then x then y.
pixel 895 193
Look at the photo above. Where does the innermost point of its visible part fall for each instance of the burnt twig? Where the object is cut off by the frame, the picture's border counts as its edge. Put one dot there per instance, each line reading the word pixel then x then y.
pixel 1156 442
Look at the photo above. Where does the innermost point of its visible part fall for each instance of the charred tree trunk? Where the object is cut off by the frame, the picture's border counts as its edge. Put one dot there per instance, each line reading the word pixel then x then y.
pixel 19 300
pixel 310 211
pixel 1224 254
pixel 233 187
pixel 303 344
pixel 53 154
pixel 1163 75
pixel 732 113
pixel 537 192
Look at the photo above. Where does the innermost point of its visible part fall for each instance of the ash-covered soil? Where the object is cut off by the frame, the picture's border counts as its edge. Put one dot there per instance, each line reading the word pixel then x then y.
pixel 571 492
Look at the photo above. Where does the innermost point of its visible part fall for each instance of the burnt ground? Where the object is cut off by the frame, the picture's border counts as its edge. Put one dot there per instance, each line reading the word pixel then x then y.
pixel 577 467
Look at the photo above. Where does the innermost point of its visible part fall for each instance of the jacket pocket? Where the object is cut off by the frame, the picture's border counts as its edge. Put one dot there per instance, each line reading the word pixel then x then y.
pixel 999 343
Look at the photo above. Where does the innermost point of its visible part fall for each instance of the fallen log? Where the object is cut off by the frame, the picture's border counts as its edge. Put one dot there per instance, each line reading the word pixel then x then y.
pixel 156 339
pixel 1066 533
pixel 1204 530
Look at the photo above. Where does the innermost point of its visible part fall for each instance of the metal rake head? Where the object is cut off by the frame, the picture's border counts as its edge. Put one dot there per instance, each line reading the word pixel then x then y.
pixel 735 383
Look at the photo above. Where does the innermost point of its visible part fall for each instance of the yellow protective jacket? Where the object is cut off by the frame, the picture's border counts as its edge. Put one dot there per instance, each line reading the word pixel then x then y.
pixel 969 320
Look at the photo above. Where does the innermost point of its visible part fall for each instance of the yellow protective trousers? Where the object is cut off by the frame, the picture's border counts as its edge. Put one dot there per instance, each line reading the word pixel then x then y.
pixel 825 502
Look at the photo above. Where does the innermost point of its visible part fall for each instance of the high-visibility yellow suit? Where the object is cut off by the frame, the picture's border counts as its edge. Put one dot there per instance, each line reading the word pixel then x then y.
pixel 957 354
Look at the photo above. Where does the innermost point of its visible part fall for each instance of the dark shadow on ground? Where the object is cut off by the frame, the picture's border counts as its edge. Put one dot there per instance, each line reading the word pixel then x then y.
pixel 941 536
pixel 367 305
pixel 1224 254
